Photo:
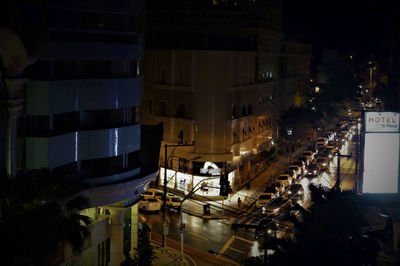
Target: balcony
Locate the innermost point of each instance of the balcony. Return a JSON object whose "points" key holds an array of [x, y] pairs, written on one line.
{"points": [[84, 145], [63, 96], [58, 50]]}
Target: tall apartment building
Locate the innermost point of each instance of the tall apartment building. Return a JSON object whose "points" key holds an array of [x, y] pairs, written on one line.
{"points": [[74, 110], [216, 76]]}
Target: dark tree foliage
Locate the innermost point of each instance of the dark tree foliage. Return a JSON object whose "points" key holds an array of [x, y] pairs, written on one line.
{"points": [[144, 254], [338, 93], [39, 214], [329, 234], [298, 119]]}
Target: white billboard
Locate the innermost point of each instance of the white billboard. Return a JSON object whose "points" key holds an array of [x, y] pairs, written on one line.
{"points": [[381, 163], [381, 122]]}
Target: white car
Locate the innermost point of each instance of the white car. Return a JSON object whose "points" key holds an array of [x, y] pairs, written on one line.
{"points": [[263, 199], [153, 193], [285, 179], [309, 155], [146, 204], [321, 143], [280, 187], [173, 202], [322, 162], [296, 169]]}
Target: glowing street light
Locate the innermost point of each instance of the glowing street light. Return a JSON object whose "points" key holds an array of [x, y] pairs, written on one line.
{"points": [[316, 89]]}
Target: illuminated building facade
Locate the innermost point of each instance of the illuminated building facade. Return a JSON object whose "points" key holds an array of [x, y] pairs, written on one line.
{"points": [[217, 75], [75, 112]]}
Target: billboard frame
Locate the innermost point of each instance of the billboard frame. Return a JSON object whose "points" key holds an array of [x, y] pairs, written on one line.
{"points": [[363, 132]]}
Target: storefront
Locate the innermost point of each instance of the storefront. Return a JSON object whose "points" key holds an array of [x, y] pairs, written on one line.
{"points": [[205, 178]]}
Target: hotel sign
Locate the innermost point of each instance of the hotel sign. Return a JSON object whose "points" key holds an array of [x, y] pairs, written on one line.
{"points": [[381, 122]]}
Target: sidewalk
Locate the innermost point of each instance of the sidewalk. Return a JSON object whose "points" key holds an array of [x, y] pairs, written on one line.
{"points": [[257, 184], [171, 256], [168, 256]]}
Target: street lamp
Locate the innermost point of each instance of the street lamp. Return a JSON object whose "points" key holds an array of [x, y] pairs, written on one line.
{"points": [[338, 168], [165, 227], [190, 193]]}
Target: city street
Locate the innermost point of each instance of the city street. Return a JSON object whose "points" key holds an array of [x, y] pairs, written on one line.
{"points": [[217, 235]]}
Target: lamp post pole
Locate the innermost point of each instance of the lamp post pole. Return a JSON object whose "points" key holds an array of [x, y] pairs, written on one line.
{"points": [[338, 168], [191, 192], [165, 226]]}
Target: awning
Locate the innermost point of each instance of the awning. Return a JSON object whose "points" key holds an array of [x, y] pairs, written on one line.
{"points": [[203, 157]]}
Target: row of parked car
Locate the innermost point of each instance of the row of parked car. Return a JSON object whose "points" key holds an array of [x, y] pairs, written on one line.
{"points": [[152, 200], [315, 159]]}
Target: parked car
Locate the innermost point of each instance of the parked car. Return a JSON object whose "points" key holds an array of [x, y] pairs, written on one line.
{"points": [[271, 189], [277, 206], [280, 187], [149, 204], [331, 135], [322, 162], [291, 173], [313, 149], [173, 202], [264, 198], [331, 151], [311, 176], [295, 169], [285, 179], [313, 169], [295, 192], [300, 164], [304, 159], [321, 142], [309, 155]]}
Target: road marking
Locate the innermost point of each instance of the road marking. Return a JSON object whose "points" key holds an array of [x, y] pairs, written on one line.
{"points": [[227, 244], [236, 250], [197, 235], [245, 240]]}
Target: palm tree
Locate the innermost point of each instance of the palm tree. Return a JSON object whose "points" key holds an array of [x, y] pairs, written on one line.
{"points": [[39, 216]]}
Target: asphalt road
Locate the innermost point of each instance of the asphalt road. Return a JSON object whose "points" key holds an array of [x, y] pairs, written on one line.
{"points": [[216, 235]]}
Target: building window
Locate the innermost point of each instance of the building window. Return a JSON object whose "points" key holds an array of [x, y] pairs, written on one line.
{"points": [[244, 110], [161, 110], [249, 110], [180, 111], [163, 77], [234, 112], [149, 105]]}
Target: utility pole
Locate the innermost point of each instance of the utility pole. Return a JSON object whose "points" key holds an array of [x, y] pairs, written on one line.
{"points": [[190, 193], [337, 185], [165, 226]]}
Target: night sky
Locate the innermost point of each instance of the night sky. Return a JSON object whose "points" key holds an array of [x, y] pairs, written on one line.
{"points": [[364, 25]]}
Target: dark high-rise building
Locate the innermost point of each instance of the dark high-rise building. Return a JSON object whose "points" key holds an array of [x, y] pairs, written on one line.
{"points": [[73, 109]]}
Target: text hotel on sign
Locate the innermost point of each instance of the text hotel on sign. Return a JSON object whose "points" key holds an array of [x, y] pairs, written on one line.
{"points": [[381, 122]]}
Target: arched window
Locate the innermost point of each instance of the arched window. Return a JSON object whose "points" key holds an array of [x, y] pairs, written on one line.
{"points": [[244, 110], [249, 110], [161, 110], [149, 104], [180, 110], [234, 112]]}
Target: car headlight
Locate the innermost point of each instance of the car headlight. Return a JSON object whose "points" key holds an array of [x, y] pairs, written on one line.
{"points": [[276, 209]]}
